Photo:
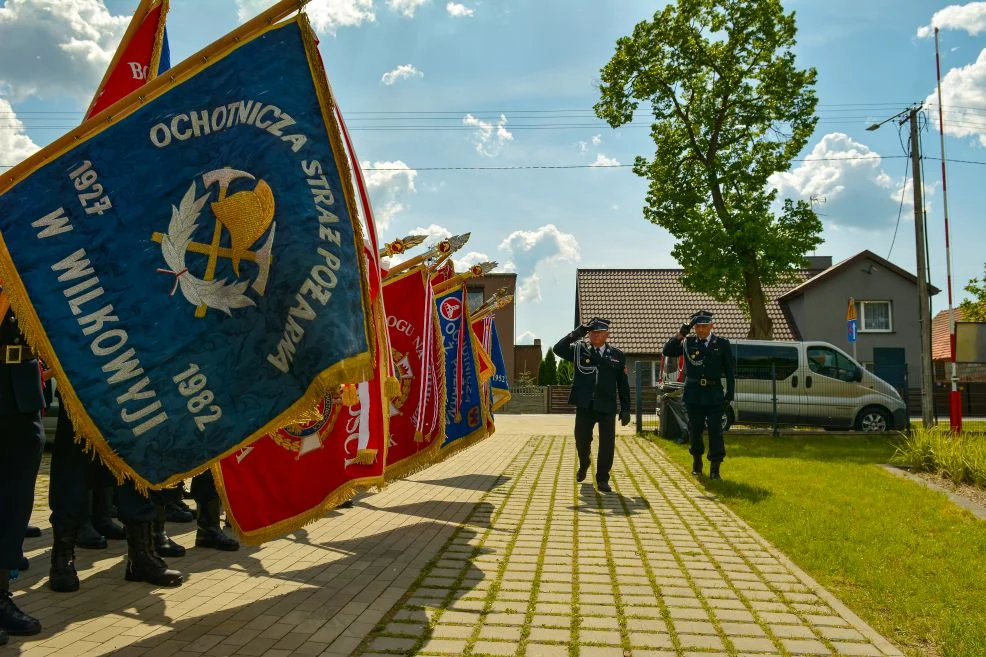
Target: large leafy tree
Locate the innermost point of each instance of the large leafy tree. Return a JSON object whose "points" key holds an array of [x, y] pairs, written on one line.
{"points": [[730, 108], [974, 309]]}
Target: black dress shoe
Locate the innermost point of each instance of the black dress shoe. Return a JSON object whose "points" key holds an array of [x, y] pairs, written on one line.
{"points": [[14, 621], [179, 512], [603, 488], [24, 564], [714, 471], [697, 466], [580, 477], [32, 532], [3, 638]]}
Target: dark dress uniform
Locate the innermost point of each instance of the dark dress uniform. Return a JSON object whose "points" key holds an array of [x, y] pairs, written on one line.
{"points": [[21, 443], [707, 363], [600, 375]]}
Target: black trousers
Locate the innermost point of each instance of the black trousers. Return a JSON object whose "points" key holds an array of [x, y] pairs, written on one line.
{"points": [[21, 444], [700, 415], [585, 420], [204, 488], [74, 473]]}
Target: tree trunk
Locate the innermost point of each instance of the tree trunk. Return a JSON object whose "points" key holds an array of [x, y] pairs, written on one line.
{"points": [[761, 326]]}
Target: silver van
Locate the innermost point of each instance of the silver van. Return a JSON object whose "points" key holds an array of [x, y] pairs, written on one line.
{"points": [[805, 384]]}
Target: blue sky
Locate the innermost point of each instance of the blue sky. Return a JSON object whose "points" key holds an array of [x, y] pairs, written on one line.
{"points": [[511, 83]]}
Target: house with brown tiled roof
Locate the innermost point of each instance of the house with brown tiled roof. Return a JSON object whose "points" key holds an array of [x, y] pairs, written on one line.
{"points": [[646, 307], [941, 352]]}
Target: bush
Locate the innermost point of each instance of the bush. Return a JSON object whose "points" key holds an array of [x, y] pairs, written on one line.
{"points": [[548, 371], [566, 373], [961, 458]]}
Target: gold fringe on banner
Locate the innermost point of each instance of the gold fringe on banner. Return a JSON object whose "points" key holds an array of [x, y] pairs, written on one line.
{"points": [[366, 457], [350, 394], [392, 387]]}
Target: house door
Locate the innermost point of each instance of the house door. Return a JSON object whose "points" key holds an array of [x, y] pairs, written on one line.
{"points": [[890, 364]]}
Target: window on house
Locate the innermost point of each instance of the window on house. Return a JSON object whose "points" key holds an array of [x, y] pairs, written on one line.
{"points": [[475, 296], [875, 316]]}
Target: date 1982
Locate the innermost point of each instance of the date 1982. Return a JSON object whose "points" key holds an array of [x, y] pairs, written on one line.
{"points": [[192, 384]]}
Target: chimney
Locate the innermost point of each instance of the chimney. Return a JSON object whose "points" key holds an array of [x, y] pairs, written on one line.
{"points": [[819, 263], [537, 342]]}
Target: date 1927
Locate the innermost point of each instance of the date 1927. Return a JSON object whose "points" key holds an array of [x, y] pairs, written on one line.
{"points": [[91, 195], [192, 384]]}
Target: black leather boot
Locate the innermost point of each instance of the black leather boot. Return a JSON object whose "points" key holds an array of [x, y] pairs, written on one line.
{"points": [[714, 470], [102, 521], [3, 638], [697, 465], [62, 577], [179, 512], [162, 542], [143, 563], [88, 538], [210, 534], [13, 621], [24, 564]]}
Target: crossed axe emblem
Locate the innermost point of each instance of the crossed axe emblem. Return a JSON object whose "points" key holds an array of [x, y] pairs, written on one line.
{"points": [[246, 216]]}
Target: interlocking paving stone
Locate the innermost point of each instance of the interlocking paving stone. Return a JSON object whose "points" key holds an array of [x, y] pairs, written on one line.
{"points": [[495, 520]]}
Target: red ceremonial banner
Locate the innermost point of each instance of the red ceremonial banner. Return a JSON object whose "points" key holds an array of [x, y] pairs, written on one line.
{"points": [[414, 339], [284, 481], [137, 58]]}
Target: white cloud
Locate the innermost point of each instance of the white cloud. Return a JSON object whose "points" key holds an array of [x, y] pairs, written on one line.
{"points": [[847, 181], [583, 146], [470, 259], [963, 88], [603, 161], [56, 47], [457, 10], [434, 232], [402, 72], [490, 139], [405, 7], [529, 290], [970, 17], [15, 145], [326, 15], [389, 183], [597, 139], [527, 337], [539, 249]]}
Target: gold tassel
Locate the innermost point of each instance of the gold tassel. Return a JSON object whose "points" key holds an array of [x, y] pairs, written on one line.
{"points": [[366, 457], [350, 396], [391, 387], [419, 436], [458, 417]]}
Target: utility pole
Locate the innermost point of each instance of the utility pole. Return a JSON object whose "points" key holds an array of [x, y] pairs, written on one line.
{"points": [[924, 303], [912, 114]]}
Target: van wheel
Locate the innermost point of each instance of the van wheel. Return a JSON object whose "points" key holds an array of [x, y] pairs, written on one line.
{"points": [[873, 418], [728, 419]]}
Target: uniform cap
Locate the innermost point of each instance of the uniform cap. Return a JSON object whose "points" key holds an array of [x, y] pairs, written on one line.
{"points": [[598, 324], [702, 317]]}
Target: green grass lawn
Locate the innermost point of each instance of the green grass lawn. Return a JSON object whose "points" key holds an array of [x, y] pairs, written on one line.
{"points": [[904, 558]]}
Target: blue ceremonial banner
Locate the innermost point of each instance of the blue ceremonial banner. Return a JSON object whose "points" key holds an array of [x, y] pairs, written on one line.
{"points": [[499, 386], [464, 407], [192, 268]]}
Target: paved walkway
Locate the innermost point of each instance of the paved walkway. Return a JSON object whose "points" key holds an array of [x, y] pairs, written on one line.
{"points": [[497, 552]]}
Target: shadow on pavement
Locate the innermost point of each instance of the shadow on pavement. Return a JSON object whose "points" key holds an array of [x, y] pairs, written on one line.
{"points": [[481, 482], [332, 585]]}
